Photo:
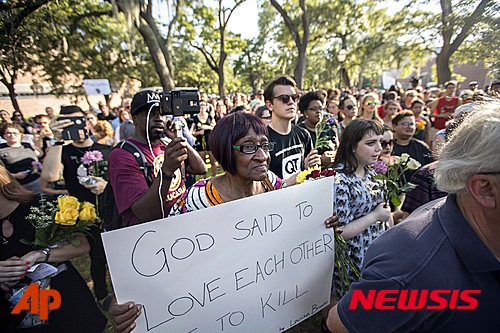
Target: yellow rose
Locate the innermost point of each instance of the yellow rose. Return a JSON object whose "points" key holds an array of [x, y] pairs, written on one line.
{"points": [[67, 216], [68, 202], [88, 213], [421, 125], [413, 164]]}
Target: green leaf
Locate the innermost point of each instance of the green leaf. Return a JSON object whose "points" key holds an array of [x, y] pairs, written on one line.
{"points": [[408, 187], [395, 200]]}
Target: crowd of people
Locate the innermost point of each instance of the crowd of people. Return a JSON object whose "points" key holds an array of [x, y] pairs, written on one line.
{"points": [[153, 163]]}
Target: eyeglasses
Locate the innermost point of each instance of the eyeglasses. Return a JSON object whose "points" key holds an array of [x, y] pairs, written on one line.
{"points": [[316, 109], [286, 98], [384, 143], [349, 107], [370, 102], [408, 124], [251, 148]]}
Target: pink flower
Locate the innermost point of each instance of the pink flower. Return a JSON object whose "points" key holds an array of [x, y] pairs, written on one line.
{"points": [[380, 167], [37, 165], [92, 156]]}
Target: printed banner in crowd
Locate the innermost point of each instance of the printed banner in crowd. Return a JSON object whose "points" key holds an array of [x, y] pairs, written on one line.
{"points": [[259, 264]]}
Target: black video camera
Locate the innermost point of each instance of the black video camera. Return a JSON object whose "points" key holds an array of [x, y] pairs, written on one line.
{"points": [[179, 102]]}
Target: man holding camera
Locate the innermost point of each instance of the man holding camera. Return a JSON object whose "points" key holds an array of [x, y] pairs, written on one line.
{"points": [[66, 160], [139, 200]]}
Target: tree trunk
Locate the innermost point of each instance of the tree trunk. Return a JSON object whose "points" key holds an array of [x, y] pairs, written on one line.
{"points": [[146, 26], [300, 66], [12, 95], [443, 67], [220, 73], [154, 46]]}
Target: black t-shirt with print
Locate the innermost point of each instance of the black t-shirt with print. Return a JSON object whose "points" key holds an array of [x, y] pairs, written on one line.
{"points": [[73, 167], [288, 156]]}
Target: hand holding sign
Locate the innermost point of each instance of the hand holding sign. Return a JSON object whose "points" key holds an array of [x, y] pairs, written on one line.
{"points": [[266, 268]]}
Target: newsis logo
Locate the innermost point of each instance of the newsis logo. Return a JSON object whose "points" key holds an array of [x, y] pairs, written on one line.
{"points": [[414, 299]]}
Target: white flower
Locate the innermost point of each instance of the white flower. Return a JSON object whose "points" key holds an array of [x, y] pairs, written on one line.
{"points": [[404, 157], [413, 164]]}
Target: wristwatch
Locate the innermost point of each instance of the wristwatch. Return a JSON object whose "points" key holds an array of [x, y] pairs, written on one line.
{"points": [[46, 251]]}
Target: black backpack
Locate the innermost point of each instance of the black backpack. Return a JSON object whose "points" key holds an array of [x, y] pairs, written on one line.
{"points": [[108, 210]]}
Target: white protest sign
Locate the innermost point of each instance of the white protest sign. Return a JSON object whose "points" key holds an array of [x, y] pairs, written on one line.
{"points": [[259, 264], [97, 87]]}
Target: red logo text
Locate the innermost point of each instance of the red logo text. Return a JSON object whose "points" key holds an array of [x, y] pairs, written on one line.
{"points": [[414, 299], [37, 301]]}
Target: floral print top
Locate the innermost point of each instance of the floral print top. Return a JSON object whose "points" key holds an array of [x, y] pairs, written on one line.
{"points": [[354, 198]]}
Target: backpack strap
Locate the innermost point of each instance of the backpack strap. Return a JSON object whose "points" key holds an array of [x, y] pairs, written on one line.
{"points": [[144, 165], [269, 184]]}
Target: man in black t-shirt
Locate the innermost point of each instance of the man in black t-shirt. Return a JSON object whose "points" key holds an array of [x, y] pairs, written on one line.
{"points": [[404, 128], [67, 161], [294, 149]]}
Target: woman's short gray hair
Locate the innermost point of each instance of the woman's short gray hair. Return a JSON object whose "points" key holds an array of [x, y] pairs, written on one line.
{"points": [[473, 148]]}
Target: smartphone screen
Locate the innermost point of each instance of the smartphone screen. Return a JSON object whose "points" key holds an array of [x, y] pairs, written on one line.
{"points": [[76, 131]]}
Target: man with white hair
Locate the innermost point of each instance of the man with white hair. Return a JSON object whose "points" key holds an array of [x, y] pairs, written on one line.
{"points": [[440, 269]]}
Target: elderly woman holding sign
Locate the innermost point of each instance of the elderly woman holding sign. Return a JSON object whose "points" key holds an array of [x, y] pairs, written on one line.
{"points": [[239, 142]]}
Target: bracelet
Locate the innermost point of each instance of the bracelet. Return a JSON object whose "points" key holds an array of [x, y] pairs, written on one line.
{"points": [[46, 251], [165, 176]]}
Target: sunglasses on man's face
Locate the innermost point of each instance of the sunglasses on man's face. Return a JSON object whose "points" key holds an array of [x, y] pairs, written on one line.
{"points": [[349, 107], [286, 98], [370, 102]]}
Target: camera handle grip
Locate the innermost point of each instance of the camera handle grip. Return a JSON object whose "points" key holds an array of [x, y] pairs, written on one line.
{"points": [[178, 129]]}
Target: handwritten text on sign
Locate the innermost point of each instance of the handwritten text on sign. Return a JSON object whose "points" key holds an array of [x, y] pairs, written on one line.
{"points": [[259, 264]]}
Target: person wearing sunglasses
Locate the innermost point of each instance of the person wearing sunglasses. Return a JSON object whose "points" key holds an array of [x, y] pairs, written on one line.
{"points": [[349, 108], [264, 114], [404, 126], [387, 142], [369, 107], [294, 147]]}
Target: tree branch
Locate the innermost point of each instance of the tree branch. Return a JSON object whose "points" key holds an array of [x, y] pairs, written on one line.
{"points": [[288, 22], [231, 11], [77, 19], [28, 7], [469, 23], [210, 60]]}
